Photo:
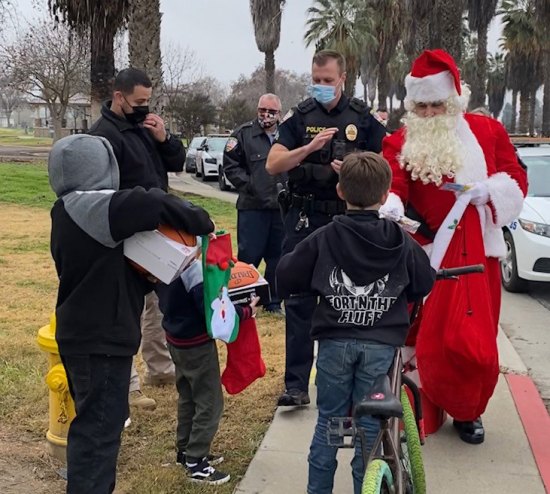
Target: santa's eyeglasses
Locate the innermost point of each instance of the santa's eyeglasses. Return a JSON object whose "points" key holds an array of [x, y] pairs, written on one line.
{"points": [[425, 106]]}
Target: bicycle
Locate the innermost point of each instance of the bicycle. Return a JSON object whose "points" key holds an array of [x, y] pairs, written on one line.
{"points": [[394, 464]]}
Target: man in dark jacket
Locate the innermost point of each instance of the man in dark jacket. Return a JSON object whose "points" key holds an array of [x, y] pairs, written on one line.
{"points": [[145, 152], [363, 271], [100, 295], [259, 225]]}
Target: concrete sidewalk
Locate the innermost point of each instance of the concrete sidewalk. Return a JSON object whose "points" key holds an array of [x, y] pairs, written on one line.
{"points": [[503, 464], [184, 182]]}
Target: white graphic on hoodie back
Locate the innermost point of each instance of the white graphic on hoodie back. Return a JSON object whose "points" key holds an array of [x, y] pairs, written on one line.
{"points": [[360, 305]]}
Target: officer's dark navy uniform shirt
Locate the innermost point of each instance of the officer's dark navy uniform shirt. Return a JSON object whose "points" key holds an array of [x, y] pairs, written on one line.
{"points": [[358, 130]]}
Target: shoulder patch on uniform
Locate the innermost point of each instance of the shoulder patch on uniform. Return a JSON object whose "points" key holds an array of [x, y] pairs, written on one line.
{"points": [[307, 105], [358, 105], [231, 144], [288, 114]]}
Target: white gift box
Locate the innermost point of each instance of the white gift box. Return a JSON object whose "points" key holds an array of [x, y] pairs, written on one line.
{"points": [[161, 256]]}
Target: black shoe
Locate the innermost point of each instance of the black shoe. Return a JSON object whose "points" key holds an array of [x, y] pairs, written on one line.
{"points": [[205, 473], [470, 432], [274, 311], [212, 459], [293, 398]]}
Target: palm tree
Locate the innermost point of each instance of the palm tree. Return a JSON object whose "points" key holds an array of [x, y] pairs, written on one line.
{"points": [[417, 27], [144, 43], [266, 17], [480, 13], [446, 32], [399, 68], [496, 83], [387, 17], [542, 26], [523, 57], [342, 26], [101, 20]]}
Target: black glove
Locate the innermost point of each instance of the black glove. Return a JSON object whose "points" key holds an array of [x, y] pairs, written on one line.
{"points": [[182, 215]]}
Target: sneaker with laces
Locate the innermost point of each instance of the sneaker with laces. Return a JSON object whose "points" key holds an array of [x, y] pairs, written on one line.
{"points": [[212, 459], [204, 473], [139, 400]]}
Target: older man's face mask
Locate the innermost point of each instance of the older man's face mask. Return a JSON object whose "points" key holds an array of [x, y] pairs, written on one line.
{"points": [[268, 117]]}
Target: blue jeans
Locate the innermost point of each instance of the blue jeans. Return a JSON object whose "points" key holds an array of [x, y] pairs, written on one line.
{"points": [[346, 370], [99, 386]]}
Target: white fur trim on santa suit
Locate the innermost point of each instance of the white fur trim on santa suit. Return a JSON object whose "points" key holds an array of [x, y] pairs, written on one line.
{"points": [[504, 192], [430, 88], [506, 197], [393, 208], [474, 167]]}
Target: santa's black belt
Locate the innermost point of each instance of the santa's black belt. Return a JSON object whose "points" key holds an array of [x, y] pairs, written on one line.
{"points": [[309, 205]]}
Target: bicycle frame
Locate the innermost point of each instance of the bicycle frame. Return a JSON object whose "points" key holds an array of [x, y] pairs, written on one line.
{"points": [[388, 439]]}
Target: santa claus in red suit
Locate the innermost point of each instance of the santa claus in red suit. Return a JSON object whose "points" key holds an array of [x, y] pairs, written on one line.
{"points": [[460, 174]]}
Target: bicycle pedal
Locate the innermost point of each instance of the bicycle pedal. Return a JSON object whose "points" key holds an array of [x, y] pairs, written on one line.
{"points": [[341, 432]]}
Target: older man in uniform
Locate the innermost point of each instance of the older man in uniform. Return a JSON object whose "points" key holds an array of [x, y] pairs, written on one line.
{"points": [[259, 224], [312, 141]]}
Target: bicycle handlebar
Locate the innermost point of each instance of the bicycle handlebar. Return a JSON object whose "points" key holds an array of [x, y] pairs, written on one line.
{"points": [[452, 272]]}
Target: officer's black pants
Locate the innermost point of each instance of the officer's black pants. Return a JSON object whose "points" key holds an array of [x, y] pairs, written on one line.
{"points": [[260, 236], [299, 310]]}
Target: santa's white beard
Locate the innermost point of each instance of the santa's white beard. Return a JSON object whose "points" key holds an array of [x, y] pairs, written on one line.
{"points": [[432, 147]]}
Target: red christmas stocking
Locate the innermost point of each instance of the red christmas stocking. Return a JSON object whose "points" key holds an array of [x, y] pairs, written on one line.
{"points": [[244, 359]]}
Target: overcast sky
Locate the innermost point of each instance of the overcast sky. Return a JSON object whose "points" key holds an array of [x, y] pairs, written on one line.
{"points": [[221, 34]]}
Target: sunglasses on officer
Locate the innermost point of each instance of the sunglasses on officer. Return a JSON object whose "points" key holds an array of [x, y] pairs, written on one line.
{"points": [[269, 111]]}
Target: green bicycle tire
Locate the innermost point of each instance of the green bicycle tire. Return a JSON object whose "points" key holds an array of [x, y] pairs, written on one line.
{"points": [[418, 475], [377, 475]]}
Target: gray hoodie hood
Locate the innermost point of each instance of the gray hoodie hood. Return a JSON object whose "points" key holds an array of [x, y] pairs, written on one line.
{"points": [[83, 172]]}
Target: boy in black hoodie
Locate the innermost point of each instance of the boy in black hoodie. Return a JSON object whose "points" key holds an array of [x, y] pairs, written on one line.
{"points": [[195, 355], [100, 295], [365, 270]]}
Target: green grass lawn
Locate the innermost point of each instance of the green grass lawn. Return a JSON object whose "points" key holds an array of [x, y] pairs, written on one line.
{"points": [[17, 137], [28, 292]]}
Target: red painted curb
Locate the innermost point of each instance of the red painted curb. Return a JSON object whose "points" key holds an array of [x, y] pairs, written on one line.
{"points": [[535, 419]]}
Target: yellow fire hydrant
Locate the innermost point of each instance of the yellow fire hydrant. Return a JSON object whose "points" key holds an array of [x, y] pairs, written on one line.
{"points": [[61, 404]]}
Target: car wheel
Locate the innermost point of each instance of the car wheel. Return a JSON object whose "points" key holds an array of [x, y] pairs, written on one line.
{"points": [[509, 268], [221, 180]]}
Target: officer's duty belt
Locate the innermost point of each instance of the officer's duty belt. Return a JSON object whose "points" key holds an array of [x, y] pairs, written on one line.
{"points": [[309, 204]]}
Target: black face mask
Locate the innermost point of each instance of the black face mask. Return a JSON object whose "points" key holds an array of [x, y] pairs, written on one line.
{"points": [[138, 115]]}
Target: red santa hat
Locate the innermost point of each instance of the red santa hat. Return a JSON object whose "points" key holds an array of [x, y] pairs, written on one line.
{"points": [[434, 77]]}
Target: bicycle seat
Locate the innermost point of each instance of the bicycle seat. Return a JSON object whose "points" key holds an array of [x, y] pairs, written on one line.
{"points": [[380, 401]]}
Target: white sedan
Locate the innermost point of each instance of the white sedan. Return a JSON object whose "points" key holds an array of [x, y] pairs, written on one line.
{"points": [[528, 238]]}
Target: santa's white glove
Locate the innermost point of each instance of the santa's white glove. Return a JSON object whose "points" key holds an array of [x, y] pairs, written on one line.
{"points": [[392, 210], [479, 193]]}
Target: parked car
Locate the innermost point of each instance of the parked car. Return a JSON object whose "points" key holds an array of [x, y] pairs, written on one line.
{"points": [[191, 157], [528, 237], [210, 156], [222, 180]]}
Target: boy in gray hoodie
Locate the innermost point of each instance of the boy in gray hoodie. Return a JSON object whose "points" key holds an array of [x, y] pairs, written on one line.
{"points": [[100, 295]]}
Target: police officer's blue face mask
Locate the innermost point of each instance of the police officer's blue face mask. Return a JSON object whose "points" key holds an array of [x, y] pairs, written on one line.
{"points": [[323, 94]]}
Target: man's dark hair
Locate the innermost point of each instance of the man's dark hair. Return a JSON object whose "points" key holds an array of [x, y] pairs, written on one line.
{"points": [[323, 56], [127, 79], [364, 179]]}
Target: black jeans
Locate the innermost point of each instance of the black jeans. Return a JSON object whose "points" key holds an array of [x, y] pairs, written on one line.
{"points": [[99, 386], [260, 236], [299, 310]]}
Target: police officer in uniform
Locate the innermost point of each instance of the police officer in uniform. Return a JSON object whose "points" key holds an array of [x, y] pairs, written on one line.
{"points": [[259, 224], [312, 141]]}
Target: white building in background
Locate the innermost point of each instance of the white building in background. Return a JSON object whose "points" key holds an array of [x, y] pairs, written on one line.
{"points": [[32, 112]]}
